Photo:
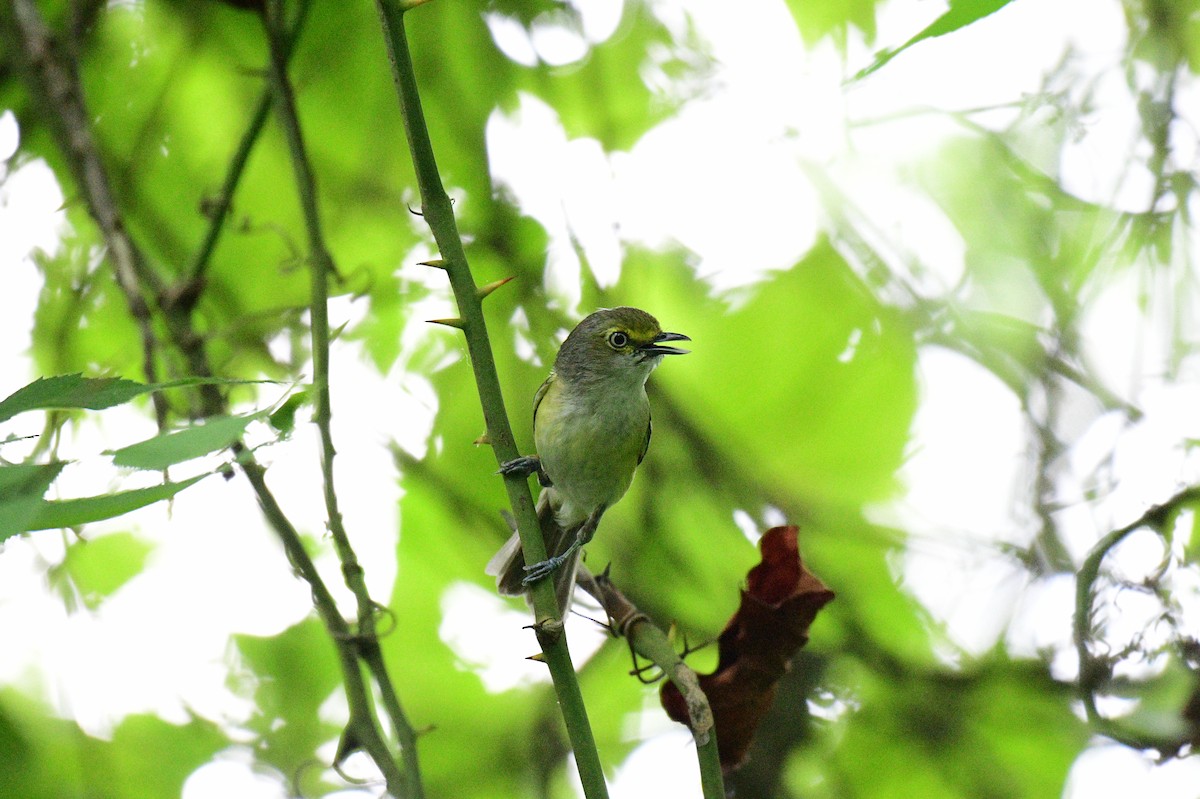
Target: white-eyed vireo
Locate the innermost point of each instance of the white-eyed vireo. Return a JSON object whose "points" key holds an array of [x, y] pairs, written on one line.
{"points": [[591, 427]]}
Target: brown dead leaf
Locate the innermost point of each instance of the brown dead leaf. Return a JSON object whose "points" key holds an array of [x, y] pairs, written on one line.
{"points": [[779, 604]]}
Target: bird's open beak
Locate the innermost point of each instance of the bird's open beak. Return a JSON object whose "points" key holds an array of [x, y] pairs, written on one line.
{"points": [[655, 348]]}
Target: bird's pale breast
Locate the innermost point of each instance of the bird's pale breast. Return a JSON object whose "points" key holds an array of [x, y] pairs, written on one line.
{"points": [[589, 445]]}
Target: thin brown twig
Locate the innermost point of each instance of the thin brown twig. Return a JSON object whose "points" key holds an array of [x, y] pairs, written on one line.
{"points": [[57, 79]]}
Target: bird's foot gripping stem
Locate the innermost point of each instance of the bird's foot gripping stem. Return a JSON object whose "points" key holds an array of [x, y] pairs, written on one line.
{"points": [[583, 535], [544, 568], [525, 466]]}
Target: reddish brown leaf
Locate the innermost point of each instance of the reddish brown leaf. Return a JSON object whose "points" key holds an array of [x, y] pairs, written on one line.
{"points": [[755, 650]]}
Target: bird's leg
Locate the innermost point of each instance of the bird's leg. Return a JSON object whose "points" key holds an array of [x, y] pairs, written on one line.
{"points": [[583, 534], [525, 466]]}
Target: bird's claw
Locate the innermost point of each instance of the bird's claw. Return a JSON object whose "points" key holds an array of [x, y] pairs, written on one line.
{"points": [[522, 466], [542, 569], [525, 466]]}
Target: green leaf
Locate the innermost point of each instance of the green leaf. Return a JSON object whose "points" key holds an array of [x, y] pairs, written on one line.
{"points": [[284, 418], [605, 96], [293, 674], [98, 567], [45, 757], [74, 512], [93, 393], [830, 420], [1191, 552], [22, 487], [1161, 703], [960, 14], [71, 391], [149, 757], [177, 446], [998, 728], [818, 19], [28, 478]]}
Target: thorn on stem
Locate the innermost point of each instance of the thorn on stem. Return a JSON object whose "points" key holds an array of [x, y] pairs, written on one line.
{"points": [[436, 263], [546, 629], [455, 323], [483, 291]]}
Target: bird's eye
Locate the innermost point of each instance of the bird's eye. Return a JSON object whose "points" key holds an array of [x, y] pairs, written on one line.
{"points": [[617, 340]]}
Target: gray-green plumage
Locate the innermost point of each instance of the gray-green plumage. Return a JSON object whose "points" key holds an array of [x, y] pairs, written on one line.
{"points": [[591, 429]]}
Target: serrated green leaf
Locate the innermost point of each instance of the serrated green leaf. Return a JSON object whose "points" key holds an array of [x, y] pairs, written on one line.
{"points": [[92, 393], [71, 391], [74, 512], [26, 478], [177, 446]]}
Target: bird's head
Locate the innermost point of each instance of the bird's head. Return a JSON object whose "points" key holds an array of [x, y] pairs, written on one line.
{"points": [[615, 344]]}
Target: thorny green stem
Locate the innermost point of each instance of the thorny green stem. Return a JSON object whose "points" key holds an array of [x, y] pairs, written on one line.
{"points": [[439, 214]]}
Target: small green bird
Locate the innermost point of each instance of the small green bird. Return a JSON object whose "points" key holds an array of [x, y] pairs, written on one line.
{"points": [[591, 427]]}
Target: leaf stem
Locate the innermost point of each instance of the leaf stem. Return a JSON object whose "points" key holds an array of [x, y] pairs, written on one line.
{"points": [[218, 212]]}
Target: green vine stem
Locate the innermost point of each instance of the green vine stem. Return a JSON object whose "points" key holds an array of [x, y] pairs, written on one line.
{"points": [[321, 269], [146, 291], [218, 207], [439, 215], [361, 728]]}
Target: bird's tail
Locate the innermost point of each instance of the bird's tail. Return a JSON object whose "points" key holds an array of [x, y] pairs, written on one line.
{"points": [[508, 565]]}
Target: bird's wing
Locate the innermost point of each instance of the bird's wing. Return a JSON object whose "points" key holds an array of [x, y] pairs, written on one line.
{"points": [[541, 392], [646, 443]]}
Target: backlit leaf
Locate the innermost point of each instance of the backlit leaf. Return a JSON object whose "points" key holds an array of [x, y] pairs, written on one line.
{"points": [[177, 446], [74, 512], [22, 487]]}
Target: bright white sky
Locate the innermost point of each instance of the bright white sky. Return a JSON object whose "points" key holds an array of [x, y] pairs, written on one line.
{"points": [[775, 107]]}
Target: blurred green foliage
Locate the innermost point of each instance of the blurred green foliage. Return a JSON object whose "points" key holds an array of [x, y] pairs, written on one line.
{"points": [[798, 398]]}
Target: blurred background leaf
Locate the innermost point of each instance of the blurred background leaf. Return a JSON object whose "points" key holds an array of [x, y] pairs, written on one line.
{"points": [[804, 399]]}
